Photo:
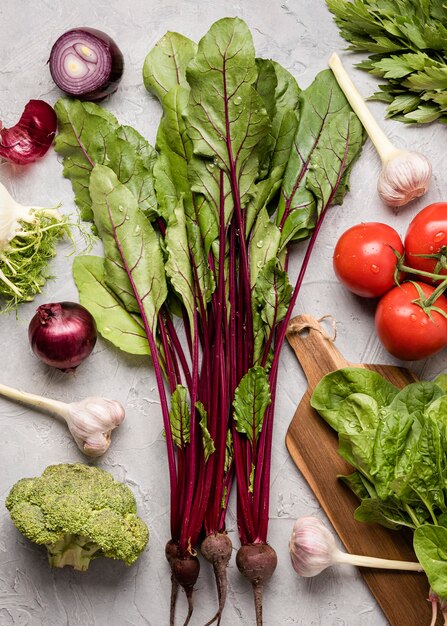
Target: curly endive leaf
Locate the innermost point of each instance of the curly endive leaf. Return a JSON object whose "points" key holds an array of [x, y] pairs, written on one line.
{"points": [[125, 330], [134, 268], [251, 398]]}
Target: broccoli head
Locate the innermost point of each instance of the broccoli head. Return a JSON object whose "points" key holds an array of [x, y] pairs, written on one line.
{"points": [[79, 512]]}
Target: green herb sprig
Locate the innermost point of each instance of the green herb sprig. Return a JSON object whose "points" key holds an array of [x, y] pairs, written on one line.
{"points": [[406, 44]]}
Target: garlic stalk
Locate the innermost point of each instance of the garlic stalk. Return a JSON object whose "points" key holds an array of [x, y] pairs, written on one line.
{"points": [[313, 549], [405, 174], [90, 421]]}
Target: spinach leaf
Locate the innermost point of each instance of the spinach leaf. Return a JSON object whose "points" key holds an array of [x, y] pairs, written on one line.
{"points": [[415, 398], [387, 513], [430, 545], [335, 387]]}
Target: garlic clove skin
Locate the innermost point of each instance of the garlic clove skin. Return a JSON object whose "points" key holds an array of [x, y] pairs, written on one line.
{"points": [[312, 546], [406, 175], [91, 422]]}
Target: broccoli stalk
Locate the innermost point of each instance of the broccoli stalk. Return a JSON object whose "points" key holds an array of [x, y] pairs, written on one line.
{"points": [[79, 512], [73, 550]]}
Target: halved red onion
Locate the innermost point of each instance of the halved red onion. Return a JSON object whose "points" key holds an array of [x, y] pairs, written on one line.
{"points": [[86, 63], [31, 137]]}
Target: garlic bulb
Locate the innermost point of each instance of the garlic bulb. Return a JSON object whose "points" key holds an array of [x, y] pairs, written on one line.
{"points": [[312, 549], [12, 214], [405, 174], [90, 421]]}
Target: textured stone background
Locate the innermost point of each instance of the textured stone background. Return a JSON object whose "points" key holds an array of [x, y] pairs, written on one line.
{"points": [[299, 34]]}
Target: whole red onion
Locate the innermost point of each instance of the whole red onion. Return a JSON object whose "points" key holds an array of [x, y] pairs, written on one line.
{"points": [[62, 334]]}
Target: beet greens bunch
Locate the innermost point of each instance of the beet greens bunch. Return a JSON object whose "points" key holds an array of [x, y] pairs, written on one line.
{"points": [[197, 234]]}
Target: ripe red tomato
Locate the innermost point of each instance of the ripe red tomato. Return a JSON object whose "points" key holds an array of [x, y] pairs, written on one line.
{"points": [[405, 329], [427, 234], [364, 261]]}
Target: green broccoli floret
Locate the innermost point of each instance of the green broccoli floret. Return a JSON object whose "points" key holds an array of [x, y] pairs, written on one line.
{"points": [[79, 512]]}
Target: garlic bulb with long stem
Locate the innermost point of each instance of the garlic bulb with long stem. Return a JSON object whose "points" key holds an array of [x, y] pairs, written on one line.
{"points": [[312, 549], [90, 421], [405, 174]]}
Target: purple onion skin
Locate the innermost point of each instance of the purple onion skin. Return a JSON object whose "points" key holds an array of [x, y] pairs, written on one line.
{"points": [[62, 334], [31, 137], [112, 55]]}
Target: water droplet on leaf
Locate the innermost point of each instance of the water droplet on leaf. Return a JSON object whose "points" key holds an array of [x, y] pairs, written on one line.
{"points": [[237, 100], [260, 243]]}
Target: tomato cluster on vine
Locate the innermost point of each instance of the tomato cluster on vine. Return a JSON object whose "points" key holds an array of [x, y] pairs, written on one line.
{"points": [[409, 277]]}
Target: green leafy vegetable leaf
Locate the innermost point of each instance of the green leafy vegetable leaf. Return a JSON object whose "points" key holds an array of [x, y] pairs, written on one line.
{"points": [[165, 65], [328, 140], [133, 268], [430, 546], [125, 330], [90, 135], [180, 417], [226, 116], [334, 388], [208, 443], [251, 399]]}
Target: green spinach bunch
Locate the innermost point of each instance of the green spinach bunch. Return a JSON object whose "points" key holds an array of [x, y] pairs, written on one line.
{"points": [[396, 439]]}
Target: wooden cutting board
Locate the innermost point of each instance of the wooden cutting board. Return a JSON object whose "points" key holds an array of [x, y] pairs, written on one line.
{"points": [[313, 445]]}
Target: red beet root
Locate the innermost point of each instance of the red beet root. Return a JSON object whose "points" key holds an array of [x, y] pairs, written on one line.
{"points": [[257, 562], [216, 549], [184, 572]]}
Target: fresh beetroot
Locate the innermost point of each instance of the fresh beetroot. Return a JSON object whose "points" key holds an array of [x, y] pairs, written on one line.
{"points": [[216, 549], [184, 572], [257, 562]]}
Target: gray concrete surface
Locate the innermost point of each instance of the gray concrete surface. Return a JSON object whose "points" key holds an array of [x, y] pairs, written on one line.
{"points": [[299, 34]]}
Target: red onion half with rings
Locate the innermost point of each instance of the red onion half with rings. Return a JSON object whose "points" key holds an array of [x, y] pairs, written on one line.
{"points": [[62, 334], [86, 63]]}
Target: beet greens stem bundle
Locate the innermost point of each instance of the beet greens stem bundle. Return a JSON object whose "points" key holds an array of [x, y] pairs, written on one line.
{"points": [[196, 235]]}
